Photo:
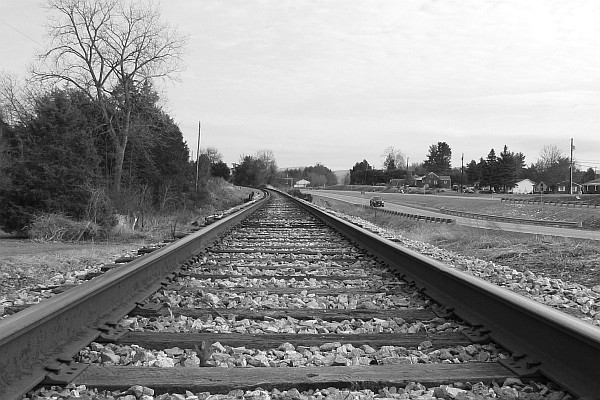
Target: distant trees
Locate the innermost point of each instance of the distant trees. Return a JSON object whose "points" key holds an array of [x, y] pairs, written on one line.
{"points": [[552, 166], [319, 175], [507, 169], [474, 170], [393, 159], [500, 173], [364, 174], [257, 170], [589, 175], [220, 169], [438, 158], [361, 174]]}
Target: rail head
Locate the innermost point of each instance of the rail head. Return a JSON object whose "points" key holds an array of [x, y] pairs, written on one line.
{"points": [[57, 328], [563, 348]]}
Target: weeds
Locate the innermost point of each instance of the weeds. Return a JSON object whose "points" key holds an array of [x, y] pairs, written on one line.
{"points": [[60, 228]]}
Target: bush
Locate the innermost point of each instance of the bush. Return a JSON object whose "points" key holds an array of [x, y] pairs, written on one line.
{"points": [[58, 227], [297, 193]]}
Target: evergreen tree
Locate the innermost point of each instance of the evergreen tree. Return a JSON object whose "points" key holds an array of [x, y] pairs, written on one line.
{"points": [[589, 175], [473, 171], [58, 164], [360, 174], [221, 170], [507, 169], [489, 171], [438, 159]]}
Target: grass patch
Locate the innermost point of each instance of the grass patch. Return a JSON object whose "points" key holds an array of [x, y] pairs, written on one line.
{"points": [[569, 259], [491, 204]]}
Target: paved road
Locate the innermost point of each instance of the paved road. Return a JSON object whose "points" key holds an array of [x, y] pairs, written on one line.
{"points": [[357, 198]]}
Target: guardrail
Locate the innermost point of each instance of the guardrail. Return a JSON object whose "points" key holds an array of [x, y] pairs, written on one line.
{"points": [[576, 204], [490, 217], [419, 217]]}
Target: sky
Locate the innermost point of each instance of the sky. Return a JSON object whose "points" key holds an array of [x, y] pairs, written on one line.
{"points": [[338, 81]]}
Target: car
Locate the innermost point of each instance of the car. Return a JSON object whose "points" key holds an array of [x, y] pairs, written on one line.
{"points": [[376, 201]]}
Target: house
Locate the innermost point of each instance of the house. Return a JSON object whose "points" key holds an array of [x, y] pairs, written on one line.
{"points": [[591, 187], [525, 186], [541, 188], [302, 183], [437, 181], [563, 188]]}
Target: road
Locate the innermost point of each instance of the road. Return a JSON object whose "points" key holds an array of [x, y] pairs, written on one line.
{"points": [[357, 198]]}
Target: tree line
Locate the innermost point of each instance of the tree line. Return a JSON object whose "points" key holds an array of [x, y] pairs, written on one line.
{"points": [[499, 172]]}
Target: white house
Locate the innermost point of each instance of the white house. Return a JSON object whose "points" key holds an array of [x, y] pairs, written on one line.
{"points": [[525, 186], [302, 183]]}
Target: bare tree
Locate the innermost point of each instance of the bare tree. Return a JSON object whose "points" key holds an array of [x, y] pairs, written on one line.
{"points": [[17, 98], [213, 154], [392, 155], [552, 166], [267, 157], [549, 155], [109, 50]]}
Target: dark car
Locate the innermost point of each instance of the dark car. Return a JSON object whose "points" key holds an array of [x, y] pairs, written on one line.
{"points": [[376, 201]]}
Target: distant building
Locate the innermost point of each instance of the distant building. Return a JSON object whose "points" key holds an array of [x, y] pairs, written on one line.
{"points": [[437, 181], [591, 187], [302, 183], [563, 187], [525, 186], [541, 188]]}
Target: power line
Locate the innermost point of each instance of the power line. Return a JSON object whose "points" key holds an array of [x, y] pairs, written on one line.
{"points": [[18, 31]]}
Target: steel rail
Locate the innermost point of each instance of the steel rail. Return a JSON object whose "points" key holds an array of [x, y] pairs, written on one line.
{"points": [[44, 337], [563, 348]]}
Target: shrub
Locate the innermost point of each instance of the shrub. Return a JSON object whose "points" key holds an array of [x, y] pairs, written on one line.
{"points": [[58, 227], [297, 193]]}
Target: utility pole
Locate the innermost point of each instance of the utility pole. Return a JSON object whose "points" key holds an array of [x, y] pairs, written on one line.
{"points": [[571, 169], [198, 155], [462, 167]]}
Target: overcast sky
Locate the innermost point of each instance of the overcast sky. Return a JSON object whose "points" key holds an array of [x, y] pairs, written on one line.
{"points": [[336, 82]]}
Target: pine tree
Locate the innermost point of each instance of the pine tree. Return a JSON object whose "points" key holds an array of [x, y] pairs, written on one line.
{"points": [[507, 169], [438, 159]]}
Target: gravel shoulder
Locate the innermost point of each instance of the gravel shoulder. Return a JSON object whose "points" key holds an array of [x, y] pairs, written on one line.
{"points": [[27, 267]]}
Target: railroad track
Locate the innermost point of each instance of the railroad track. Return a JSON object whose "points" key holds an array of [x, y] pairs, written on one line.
{"points": [[281, 297]]}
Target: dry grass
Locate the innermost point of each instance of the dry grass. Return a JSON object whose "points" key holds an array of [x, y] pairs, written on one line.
{"points": [[27, 263], [491, 204], [569, 259]]}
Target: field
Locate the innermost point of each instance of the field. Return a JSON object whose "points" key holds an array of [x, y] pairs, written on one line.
{"points": [[572, 260], [491, 204]]}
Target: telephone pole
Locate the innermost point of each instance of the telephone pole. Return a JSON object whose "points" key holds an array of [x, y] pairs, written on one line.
{"points": [[462, 167], [198, 155], [571, 169]]}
